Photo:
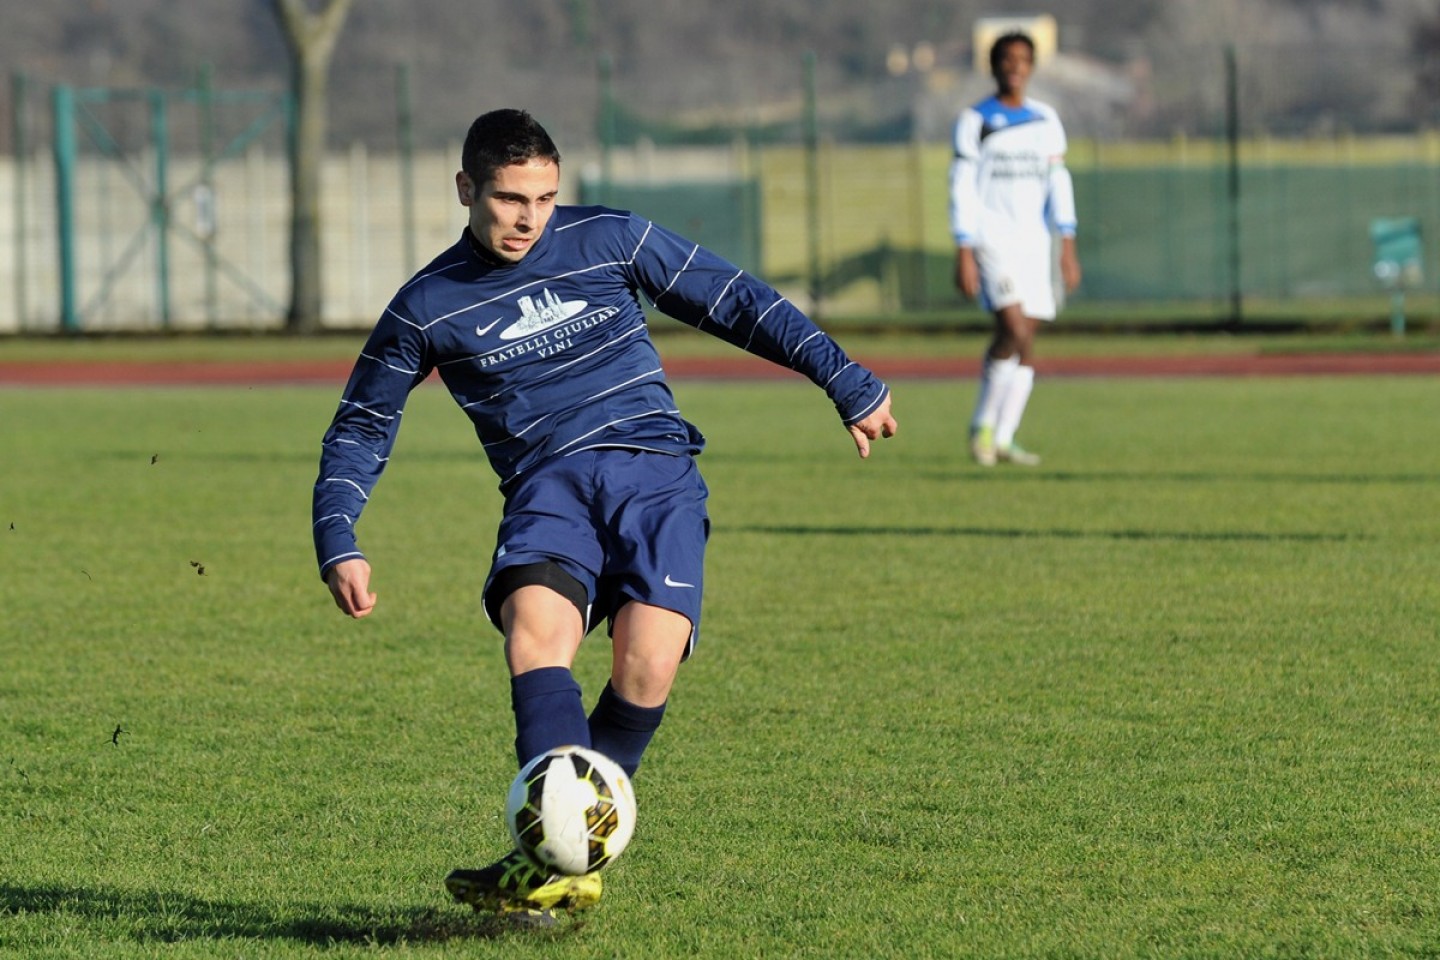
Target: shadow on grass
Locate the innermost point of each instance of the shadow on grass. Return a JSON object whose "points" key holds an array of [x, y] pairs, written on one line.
{"points": [[947, 468], [1013, 533], [169, 917], [171, 456], [966, 473], [1357, 479]]}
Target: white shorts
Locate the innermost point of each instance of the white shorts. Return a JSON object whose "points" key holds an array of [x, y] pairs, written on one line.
{"points": [[1015, 275]]}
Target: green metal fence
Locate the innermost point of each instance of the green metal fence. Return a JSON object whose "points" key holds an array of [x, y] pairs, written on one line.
{"points": [[1186, 231], [1303, 231], [140, 166], [1285, 239], [723, 216], [1239, 188]]}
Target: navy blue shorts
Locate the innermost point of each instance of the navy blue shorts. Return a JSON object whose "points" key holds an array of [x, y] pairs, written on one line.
{"points": [[628, 524]]}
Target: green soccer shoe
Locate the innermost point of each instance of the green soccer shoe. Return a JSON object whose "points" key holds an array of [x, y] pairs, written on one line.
{"points": [[515, 885]]}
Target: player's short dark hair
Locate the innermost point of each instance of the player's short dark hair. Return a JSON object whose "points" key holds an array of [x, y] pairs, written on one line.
{"points": [[503, 138], [997, 49]]}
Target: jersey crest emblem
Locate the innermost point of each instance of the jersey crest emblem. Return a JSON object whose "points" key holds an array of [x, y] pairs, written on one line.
{"points": [[541, 313]]}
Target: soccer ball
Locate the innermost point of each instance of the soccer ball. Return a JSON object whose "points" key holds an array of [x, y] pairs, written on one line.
{"points": [[571, 810]]}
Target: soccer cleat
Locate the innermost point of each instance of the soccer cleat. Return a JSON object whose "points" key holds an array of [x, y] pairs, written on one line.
{"points": [[1018, 455], [514, 886], [982, 445]]}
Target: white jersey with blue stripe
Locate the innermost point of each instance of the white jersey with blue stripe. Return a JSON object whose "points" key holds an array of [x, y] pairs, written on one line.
{"points": [[1008, 182], [551, 355]]}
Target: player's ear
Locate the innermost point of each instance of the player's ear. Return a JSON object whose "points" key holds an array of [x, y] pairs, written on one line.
{"points": [[465, 188]]}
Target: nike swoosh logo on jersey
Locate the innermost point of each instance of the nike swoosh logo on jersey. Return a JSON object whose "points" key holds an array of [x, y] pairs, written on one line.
{"points": [[481, 331], [670, 582]]}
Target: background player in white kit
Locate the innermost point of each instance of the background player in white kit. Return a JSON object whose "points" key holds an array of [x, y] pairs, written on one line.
{"points": [[1009, 190]]}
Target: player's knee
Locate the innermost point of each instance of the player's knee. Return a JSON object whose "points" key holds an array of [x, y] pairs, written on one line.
{"points": [[650, 643], [645, 685]]}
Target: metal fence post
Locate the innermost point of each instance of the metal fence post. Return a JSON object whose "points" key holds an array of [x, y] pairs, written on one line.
{"points": [[63, 101], [1232, 136], [20, 144], [160, 205], [607, 126], [812, 187], [206, 205], [405, 120]]}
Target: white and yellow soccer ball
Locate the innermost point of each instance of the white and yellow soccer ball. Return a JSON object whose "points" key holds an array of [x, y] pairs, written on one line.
{"points": [[571, 810]]}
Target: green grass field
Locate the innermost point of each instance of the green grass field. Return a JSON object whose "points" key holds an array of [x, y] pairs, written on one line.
{"points": [[1173, 694]]}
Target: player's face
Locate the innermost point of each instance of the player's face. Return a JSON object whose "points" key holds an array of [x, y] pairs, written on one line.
{"points": [[1012, 72], [508, 212]]}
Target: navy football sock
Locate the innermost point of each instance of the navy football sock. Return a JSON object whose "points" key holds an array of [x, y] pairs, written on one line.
{"points": [[622, 730], [548, 712]]}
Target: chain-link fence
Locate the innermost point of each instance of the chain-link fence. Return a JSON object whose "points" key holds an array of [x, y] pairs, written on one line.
{"points": [[1214, 186]]}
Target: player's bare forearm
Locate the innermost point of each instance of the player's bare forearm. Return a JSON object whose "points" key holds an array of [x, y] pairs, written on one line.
{"points": [[1069, 264], [349, 583], [967, 272], [879, 424]]}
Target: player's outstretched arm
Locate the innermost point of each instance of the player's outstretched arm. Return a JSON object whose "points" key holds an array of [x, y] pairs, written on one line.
{"points": [[349, 583], [879, 424]]}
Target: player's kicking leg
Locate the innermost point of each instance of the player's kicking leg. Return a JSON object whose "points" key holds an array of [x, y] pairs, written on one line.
{"points": [[541, 610]]}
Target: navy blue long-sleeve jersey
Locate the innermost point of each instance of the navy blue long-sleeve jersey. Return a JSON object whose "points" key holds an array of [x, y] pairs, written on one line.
{"points": [[551, 355]]}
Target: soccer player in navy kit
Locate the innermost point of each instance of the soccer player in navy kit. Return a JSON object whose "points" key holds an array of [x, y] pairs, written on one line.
{"points": [[1009, 189], [533, 322]]}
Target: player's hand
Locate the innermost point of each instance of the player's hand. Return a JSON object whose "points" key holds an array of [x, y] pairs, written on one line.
{"points": [[879, 424], [967, 272], [349, 583]]}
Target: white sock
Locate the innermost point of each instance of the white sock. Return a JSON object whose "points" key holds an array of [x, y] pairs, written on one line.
{"points": [[995, 381], [1012, 405]]}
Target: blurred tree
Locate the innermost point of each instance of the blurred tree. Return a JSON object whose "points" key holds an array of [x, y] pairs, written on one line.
{"points": [[310, 38], [1425, 41]]}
